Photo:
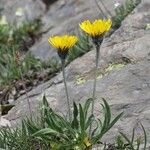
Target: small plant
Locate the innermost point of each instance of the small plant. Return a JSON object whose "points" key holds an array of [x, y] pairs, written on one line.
{"points": [[122, 11], [59, 133], [27, 30], [96, 30], [15, 62], [20, 139], [52, 131], [11, 41], [63, 45], [4, 31], [124, 143], [59, 128], [72, 134]]}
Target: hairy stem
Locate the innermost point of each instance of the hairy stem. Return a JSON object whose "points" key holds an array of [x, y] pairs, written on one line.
{"points": [[95, 76], [65, 84], [95, 81]]}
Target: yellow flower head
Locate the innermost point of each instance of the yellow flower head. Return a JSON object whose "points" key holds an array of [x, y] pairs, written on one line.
{"points": [[96, 28], [62, 43]]}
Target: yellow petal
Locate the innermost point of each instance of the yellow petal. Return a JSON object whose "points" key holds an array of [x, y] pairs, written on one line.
{"points": [[96, 28], [62, 43]]}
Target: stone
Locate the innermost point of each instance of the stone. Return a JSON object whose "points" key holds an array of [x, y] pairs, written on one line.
{"points": [[4, 122], [131, 40], [19, 11], [63, 17], [125, 88]]}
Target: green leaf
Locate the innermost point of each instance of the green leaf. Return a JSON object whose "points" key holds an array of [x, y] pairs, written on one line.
{"points": [[45, 102], [115, 120], [82, 119], [98, 128], [127, 139], [66, 126], [138, 141], [145, 137], [75, 122], [55, 123], [97, 138], [23, 127], [86, 107], [106, 125], [46, 131], [30, 126], [133, 133], [107, 117], [90, 120], [107, 113]]}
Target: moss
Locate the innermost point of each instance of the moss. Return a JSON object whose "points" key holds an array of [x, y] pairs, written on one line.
{"points": [[81, 79]]}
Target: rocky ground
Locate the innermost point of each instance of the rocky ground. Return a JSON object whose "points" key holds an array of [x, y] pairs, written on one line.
{"points": [[125, 84], [61, 17]]}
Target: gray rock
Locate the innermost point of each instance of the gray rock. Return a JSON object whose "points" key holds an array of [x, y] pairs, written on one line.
{"points": [[4, 122], [131, 40], [19, 11], [126, 89], [63, 17]]}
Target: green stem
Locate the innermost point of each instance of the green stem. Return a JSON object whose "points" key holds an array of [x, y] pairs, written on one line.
{"points": [[95, 76], [95, 81], [65, 84]]}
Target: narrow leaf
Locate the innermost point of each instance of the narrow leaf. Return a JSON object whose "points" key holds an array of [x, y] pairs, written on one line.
{"points": [[145, 137], [82, 119], [114, 121], [75, 122], [126, 138]]}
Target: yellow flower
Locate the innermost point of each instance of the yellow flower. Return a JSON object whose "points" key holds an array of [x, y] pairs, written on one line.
{"points": [[97, 28], [62, 43]]}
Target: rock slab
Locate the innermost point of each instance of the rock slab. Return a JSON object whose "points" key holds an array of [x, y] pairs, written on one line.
{"points": [[126, 89]]}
